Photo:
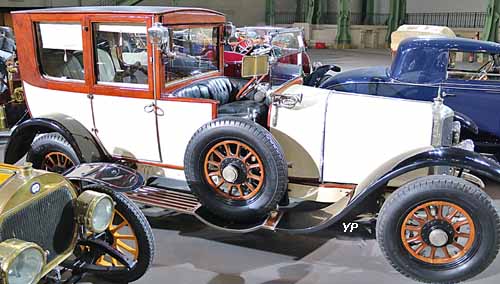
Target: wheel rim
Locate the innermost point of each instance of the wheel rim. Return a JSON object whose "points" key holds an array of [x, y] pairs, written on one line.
{"points": [[438, 232], [234, 170], [57, 162], [124, 240]]}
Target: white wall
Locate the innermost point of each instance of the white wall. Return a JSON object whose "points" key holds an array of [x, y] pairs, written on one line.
{"points": [[435, 6]]}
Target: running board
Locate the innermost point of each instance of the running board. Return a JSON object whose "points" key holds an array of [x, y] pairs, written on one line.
{"points": [[184, 202], [166, 199]]}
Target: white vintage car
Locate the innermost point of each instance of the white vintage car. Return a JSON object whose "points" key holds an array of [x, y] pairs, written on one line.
{"points": [[111, 84]]}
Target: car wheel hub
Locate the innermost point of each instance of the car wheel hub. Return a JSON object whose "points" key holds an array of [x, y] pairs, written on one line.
{"points": [[230, 173], [438, 238]]}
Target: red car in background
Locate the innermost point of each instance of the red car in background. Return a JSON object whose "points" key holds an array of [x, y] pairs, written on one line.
{"points": [[286, 45]]}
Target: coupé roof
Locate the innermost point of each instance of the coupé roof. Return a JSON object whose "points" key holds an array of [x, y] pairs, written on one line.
{"points": [[116, 9], [462, 44]]}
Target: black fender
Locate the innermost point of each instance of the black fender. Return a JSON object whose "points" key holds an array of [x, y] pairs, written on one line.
{"points": [[86, 146], [376, 181], [114, 177], [466, 122]]}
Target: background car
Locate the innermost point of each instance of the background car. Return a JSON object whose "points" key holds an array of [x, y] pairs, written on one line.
{"points": [[287, 45], [468, 71], [80, 223]]}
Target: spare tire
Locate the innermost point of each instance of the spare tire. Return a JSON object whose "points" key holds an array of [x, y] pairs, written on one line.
{"points": [[236, 169]]}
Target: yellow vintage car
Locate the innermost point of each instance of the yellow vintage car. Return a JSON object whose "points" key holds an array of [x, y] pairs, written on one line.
{"points": [[62, 227]]}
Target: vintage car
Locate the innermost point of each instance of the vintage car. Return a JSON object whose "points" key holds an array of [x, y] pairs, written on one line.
{"points": [[58, 228], [468, 71], [287, 45], [12, 107], [239, 158]]}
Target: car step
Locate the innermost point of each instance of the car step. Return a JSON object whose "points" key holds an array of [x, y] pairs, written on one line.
{"points": [[182, 202]]}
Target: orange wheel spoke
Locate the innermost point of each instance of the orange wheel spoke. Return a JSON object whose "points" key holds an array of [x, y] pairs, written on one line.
{"points": [[252, 176], [414, 239], [213, 174], [413, 228], [253, 166], [446, 252], [240, 190], [219, 184], [214, 163], [237, 152], [460, 224], [451, 214], [126, 247], [228, 150], [433, 252], [428, 213], [439, 213], [463, 235], [420, 248], [249, 186], [419, 220], [246, 157], [124, 237], [114, 229], [219, 154], [458, 246]]}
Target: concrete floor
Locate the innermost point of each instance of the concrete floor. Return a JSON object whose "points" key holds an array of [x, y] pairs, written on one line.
{"points": [[190, 252]]}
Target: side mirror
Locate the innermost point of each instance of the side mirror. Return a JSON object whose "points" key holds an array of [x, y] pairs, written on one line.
{"points": [[229, 30], [252, 66], [160, 36]]}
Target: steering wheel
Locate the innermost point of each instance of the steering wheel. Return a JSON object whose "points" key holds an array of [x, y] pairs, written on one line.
{"points": [[249, 87], [244, 46], [483, 71]]}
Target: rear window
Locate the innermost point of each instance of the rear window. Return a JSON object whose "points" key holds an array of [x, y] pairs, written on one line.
{"points": [[60, 50]]}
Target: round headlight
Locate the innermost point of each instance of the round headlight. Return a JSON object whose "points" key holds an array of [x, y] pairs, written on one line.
{"points": [[94, 210], [22, 262], [103, 213]]}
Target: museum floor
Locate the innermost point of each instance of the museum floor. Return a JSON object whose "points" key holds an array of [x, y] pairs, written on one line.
{"points": [[190, 252]]}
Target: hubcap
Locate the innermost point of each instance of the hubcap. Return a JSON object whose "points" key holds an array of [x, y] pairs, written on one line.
{"points": [[438, 238], [230, 173]]}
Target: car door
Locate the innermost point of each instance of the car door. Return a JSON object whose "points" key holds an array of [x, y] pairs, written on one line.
{"points": [[478, 98], [122, 90]]}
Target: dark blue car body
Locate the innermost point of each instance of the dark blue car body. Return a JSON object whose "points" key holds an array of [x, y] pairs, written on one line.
{"points": [[419, 69]]}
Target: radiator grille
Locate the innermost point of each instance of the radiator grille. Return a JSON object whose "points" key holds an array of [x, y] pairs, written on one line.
{"points": [[48, 222]]}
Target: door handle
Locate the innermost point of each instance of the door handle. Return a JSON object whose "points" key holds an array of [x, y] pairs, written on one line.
{"points": [[154, 108]]}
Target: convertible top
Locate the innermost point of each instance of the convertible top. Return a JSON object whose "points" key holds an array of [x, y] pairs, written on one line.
{"points": [[463, 44]]}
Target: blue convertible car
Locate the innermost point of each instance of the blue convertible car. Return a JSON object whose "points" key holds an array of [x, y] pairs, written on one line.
{"points": [[468, 71]]}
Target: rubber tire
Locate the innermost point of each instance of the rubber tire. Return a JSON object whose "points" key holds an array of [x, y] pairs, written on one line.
{"points": [[263, 143], [143, 232], [47, 143], [444, 188]]}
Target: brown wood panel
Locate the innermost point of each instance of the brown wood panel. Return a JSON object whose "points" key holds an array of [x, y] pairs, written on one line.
{"points": [[193, 17]]}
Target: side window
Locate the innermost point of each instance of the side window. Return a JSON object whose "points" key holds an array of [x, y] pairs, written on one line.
{"points": [[120, 54], [473, 66], [60, 50], [196, 52]]}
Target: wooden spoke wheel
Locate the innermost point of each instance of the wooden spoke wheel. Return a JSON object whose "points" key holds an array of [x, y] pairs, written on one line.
{"points": [[439, 229], [123, 237], [438, 232], [234, 170], [56, 162]]}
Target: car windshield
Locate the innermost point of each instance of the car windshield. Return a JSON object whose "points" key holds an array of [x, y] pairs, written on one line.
{"points": [[195, 52]]}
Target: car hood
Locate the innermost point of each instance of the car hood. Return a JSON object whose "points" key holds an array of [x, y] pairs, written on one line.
{"points": [[359, 75]]}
